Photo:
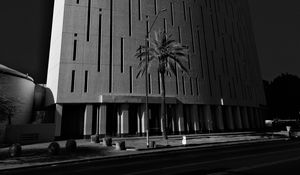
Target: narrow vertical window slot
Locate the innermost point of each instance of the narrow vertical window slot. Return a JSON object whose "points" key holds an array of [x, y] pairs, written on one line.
{"points": [[165, 25], [183, 84], [225, 55], [184, 10], [140, 51], [192, 33], [197, 86], [140, 9], [99, 42], [210, 4], [217, 18], [147, 29], [189, 61], [111, 48], [200, 54], [220, 84], [206, 51], [73, 81], [122, 54], [77, 1], [230, 90], [130, 79], [223, 65], [209, 82], [179, 35], [158, 78], [204, 35], [149, 84], [172, 13], [191, 86], [240, 75], [88, 21], [130, 17], [208, 75], [86, 74], [177, 82], [233, 57], [155, 6], [234, 87], [74, 49], [213, 29], [214, 66]]}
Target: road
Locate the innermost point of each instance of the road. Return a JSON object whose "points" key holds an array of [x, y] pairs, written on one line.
{"points": [[276, 157]]}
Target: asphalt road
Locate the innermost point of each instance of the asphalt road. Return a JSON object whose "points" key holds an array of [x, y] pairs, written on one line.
{"points": [[276, 157]]}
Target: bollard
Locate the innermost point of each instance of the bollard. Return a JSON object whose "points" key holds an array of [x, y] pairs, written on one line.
{"points": [[120, 145], [288, 128], [107, 141], [15, 150], [184, 140], [152, 144], [95, 138]]}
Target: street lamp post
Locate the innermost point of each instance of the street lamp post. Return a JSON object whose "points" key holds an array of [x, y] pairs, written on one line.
{"points": [[147, 43]]}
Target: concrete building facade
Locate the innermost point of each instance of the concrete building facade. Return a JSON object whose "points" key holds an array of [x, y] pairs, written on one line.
{"points": [[92, 68]]}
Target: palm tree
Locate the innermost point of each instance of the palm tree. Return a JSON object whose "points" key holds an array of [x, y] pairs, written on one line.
{"points": [[169, 55]]}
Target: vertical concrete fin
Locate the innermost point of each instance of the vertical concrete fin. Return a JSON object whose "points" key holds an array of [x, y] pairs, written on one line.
{"points": [[88, 118], [55, 47]]}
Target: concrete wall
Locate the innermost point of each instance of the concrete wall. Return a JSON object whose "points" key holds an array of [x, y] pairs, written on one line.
{"points": [[90, 37], [18, 94], [56, 42], [30, 133]]}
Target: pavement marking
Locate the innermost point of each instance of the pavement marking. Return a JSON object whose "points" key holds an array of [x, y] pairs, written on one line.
{"points": [[182, 166]]}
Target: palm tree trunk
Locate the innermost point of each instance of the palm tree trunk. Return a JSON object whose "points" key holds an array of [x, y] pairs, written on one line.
{"points": [[163, 104]]}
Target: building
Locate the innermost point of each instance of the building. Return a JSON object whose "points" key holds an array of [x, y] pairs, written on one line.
{"points": [[25, 109], [92, 69], [16, 96]]}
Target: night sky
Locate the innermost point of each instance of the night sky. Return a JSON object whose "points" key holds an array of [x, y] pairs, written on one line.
{"points": [[26, 28]]}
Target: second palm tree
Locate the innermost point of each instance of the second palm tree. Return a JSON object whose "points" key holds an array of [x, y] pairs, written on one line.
{"points": [[168, 55]]}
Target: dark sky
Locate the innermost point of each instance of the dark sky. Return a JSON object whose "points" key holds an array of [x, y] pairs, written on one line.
{"points": [[276, 24], [25, 36]]}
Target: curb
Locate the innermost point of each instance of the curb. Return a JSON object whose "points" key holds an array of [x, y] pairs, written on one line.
{"points": [[142, 152]]}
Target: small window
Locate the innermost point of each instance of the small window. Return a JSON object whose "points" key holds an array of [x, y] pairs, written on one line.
{"points": [[183, 85], [149, 84], [130, 17], [191, 86], [86, 81], [172, 13], [130, 79], [122, 55], [73, 81], [88, 21], [74, 50]]}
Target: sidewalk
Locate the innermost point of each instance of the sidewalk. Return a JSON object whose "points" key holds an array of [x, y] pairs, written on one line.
{"points": [[37, 155]]}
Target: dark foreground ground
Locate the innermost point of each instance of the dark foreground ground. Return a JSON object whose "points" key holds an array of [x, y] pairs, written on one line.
{"points": [[204, 154], [274, 157]]}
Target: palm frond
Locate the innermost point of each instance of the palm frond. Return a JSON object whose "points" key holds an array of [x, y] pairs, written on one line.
{"points": [[168, 53]]}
